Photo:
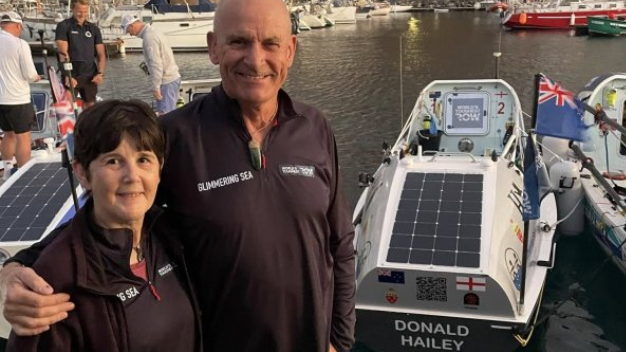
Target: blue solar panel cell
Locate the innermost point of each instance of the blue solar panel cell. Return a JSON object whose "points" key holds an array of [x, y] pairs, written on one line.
{"points": [[471, 260], [398, 255], [401, 241], [420, 256], [423, 242], [445, 258]]}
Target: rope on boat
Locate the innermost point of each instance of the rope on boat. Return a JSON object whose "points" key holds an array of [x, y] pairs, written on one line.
{"points": [[570, 213], [524, 341], [588, 281]]}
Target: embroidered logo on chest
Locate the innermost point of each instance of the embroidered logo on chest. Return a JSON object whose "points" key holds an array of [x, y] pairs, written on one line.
{"points": [[166, 269], [88, 34], [297, 170]]}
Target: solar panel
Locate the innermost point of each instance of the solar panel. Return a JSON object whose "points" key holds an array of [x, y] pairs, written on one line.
{"points": [[438, 221], [32, 202]]}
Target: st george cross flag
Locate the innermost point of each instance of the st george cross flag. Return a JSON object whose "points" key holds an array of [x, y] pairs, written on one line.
{"points": [[559, 113], [530, 203]]}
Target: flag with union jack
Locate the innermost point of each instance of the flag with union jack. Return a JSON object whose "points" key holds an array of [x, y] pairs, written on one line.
{"points": [[559, 112], [64, 110]]}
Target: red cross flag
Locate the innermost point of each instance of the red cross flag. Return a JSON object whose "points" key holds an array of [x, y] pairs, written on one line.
{"points": [[471, 283]]}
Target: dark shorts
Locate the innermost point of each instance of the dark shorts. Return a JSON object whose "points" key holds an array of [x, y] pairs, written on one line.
{"points": [[87, 89], [17, 118]]}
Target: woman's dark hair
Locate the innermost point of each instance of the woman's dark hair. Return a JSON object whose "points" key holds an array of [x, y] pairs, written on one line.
{"points": [[101, 127]]}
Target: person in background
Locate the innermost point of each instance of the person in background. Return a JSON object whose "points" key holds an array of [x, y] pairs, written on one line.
{"points": [[159, 57], [119, 256], [275, 268], [17, 71], [80, 41]]}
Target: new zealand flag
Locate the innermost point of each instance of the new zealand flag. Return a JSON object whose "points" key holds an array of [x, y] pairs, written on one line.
{"points": [[390, 276], [559, 113]]}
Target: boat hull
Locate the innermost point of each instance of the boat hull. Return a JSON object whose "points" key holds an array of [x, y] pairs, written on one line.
{"points": [[556, 20], [605, 26], [403, 332], [609, 234]]}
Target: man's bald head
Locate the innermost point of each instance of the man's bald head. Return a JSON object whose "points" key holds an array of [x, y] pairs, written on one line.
{"points": [[230, 8]]}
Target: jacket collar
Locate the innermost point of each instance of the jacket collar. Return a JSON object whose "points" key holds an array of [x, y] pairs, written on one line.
{"points": [[286, 109], [92, 244], [142, 32], [75, 22]]}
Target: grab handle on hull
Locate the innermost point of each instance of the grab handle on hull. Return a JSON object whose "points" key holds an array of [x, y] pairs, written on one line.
{"points": [[451, 154], [549, 263]]}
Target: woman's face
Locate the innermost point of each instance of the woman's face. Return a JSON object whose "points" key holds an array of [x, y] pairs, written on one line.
{"points": [[123, 184]]}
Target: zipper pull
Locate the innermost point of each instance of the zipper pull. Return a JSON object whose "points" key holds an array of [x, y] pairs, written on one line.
{"points": [[154, 291]]}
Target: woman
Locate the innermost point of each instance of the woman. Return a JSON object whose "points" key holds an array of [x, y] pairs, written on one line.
{"points": [[118, 258]]}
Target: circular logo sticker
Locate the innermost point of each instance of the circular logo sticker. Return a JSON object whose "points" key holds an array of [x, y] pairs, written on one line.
{"points": [[88, 34]]}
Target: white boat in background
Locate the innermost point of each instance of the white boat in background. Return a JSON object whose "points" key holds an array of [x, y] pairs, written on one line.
{"points": [[184, 27], [443, 259], [604, 190], [313, 16], [341, 14], [380, 9], [400, 8]]}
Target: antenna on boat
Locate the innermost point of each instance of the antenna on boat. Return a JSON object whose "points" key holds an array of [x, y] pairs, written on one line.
{"points": [[65, 153], [401, 88], [498, 53]]}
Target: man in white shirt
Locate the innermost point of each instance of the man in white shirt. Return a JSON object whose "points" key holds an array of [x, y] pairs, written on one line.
{"points": [[17, 70]]}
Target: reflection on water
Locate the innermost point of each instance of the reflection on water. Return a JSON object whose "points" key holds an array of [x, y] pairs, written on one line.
{"points": [[353, 73]]}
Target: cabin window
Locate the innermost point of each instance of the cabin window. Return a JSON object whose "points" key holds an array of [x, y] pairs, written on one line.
{"points": [[184, 25], [612, 6], [466, 113], [146, 19], [582, 7], [597, 6]]}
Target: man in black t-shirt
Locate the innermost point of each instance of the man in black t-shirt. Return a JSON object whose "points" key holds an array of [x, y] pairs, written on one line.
{"points": [[80, 41]]}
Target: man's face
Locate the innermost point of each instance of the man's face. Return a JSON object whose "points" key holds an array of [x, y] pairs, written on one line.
{"points": [[254, 48], [133, 28], [81, 12]]}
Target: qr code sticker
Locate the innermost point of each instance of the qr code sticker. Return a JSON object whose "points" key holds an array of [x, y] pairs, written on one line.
{"points": [[431, 289]]}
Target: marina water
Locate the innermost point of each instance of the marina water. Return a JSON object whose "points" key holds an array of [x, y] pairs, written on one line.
{"points": [[366, 77]]}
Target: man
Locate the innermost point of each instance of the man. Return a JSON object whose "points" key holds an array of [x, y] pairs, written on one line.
{"points": [[17, 70], [79, 41], [160, 62], [275, 270]]}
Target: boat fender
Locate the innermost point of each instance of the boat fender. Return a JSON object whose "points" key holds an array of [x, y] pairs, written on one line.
{"points": [[572, 20], [565, 178], [554, 150], [609, 96], [523, 17]]}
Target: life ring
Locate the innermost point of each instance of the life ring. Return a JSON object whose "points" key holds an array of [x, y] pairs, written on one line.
{"points": [[523, 18]]}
